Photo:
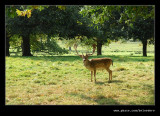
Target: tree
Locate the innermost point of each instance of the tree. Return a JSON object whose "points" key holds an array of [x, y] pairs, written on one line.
{"points": [[12, 12], [24, 21], [108, 27], [142, 29], [22, 27], [60, 21], [114, 20], [140, 21], [26, 25]]}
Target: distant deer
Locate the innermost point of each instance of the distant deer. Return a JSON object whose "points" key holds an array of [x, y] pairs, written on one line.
{"points": [[96, 63]]}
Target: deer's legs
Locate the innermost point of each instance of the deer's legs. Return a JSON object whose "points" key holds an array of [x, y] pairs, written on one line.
{"points": [[110, 73], [95, 75], [91, 75]]}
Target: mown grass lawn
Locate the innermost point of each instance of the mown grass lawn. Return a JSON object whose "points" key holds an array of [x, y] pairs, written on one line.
{"points": [[63, 80]]}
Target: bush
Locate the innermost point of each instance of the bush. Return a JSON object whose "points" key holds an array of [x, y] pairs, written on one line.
{"points": [[52, 46]]}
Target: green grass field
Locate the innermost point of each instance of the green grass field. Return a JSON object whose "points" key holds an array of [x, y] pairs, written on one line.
{"points": [[63, 80]]}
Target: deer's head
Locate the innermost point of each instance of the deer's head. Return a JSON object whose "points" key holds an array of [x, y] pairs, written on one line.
{"points": [[85, 57]]}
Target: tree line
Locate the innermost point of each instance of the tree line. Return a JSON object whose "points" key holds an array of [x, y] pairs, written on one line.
{"points": [[90, 24]]}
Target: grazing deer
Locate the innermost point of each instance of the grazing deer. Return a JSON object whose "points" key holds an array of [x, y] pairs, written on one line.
{"points": [[96, 63]]}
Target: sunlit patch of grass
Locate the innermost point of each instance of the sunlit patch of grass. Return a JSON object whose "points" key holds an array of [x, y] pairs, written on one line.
{"points": [[64, 80]]}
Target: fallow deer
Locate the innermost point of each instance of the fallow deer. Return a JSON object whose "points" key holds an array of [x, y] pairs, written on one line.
{"points": [[96, 63]]}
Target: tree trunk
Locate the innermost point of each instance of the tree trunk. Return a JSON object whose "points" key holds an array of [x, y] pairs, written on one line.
{"points": [[99, 48], [7, 46], [144, 47], [26, 46]]}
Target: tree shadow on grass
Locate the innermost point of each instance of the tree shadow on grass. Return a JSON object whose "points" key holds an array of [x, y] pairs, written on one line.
{"points": [[105, 82], [115, 58], [125, 58], [99, 99], [50, 58], [116, 81]]}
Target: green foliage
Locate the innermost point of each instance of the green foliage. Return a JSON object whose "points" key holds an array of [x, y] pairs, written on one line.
{"points": [[46, 44], [92, 23], [105, 20], [35, 43], [142, 29], [49, 21], [10, 11], [130, 13], [52, 46], [62, 7], [13, 11], [114, 20], [15, 41]]}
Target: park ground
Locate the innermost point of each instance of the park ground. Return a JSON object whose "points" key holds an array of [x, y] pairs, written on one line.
{"points": [[63, 80]]}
